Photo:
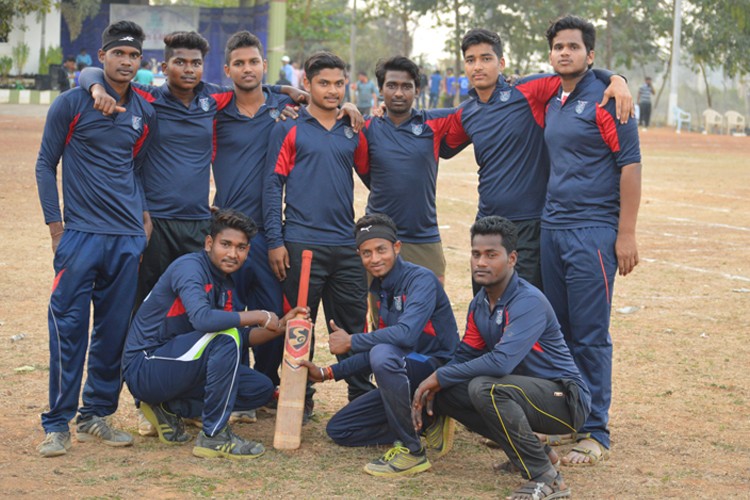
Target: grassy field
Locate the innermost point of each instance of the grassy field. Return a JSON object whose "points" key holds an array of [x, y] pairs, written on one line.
{"points": [[680, 419]]}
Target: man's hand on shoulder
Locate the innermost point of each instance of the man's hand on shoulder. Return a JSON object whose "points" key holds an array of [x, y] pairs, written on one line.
{"points": [[619, 91]]}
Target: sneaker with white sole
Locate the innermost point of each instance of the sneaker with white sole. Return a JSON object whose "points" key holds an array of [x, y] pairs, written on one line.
{"points": [[93, 428], [226, 444], [398, 461], [243, 416], [169, 427], [55, 444]]}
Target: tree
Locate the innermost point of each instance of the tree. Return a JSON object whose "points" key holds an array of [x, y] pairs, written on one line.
{"points": [[314, 25], [75, 12], [716, 34], [10, 9]]}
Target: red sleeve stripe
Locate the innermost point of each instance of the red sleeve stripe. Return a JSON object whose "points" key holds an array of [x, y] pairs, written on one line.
{"points": [[362, 155], [286, 307], [472, 337], [140, 141], [288, 153], [429, 329], [607, 128], [143, 94], [457, 134], [177, 309], [440, 127], [222, 99], [228, 306], [71, 128], [538, 93], [536, 347]]}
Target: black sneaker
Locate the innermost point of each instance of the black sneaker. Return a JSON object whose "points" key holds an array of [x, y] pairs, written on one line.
{"points": [[226, 444], [170, 427], [309, 411]]}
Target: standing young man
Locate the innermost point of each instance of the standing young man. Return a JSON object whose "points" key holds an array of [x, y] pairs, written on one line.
{"points": [[588, 225], [512, 375], [98, 248], [417, 333], [182, 356], [310, 164], [506, 126], [645, 92], [367, 94], [435, 84], [239, 165], [402, 166]]}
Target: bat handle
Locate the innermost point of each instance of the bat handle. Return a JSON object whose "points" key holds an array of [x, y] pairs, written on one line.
{"points": [[304, 278]]}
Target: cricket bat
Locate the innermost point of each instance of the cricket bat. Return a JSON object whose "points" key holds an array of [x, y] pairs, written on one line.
{"points": [[288, 433]]}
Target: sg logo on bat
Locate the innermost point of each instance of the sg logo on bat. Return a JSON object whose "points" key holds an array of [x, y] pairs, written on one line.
{"points": [[297, 343]]}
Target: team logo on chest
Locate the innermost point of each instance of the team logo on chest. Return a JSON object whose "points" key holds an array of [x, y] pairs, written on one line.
{"points": [[580, 106], [504, 95], [348, 132], [417, 128], [274, 113], [136, 122], [204, 104], [499, 317], [398, 303]]}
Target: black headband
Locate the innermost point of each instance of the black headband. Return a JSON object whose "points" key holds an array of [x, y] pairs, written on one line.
{"points": [[375, 231], [109, 41]]}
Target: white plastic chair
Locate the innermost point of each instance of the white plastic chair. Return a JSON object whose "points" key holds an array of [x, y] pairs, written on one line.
{"points": [[681, 117], [712, 119], [735, 122]]}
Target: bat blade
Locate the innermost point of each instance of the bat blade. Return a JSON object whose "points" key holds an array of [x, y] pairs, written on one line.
{"points": [[291, 405]]}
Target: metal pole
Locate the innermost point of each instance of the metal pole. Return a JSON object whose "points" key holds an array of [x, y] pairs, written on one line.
{"points": [[276, 37], [674, 81], [353, 50]]}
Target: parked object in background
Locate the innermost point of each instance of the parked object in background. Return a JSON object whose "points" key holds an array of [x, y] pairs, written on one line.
{"points": [[681, 117], [712, 119], [735, 123]]}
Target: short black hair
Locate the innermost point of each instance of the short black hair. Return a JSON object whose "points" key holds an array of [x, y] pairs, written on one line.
{"points": [[494, 224], [69, 59], [323, 60], [227, 218], [242, 39], [145, 64], [184, 40], [588, 32], [479, 35], [397, 63], [122, 28], [375, 219]]}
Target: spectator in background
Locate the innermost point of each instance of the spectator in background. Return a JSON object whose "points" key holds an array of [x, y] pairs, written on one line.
{"points": [[367, 94], [83, 58], [66, 74], [449, 89], [423, 84], [287, 68], [296, 81], [77, 73], [435, 80], [282, 78], [144, 76], [644, 103], [463, 87]]}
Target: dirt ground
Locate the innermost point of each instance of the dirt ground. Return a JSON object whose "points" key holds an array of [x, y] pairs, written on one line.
{"points": [[680, 419]]}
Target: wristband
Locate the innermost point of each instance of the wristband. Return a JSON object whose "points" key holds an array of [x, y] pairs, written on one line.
{"points": [[56, 234], [329, 373], [268, 316], [322, 374]]}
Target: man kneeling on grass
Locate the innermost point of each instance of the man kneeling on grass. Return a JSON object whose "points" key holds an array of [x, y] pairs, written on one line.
{"points": [[417, 334], [182, 355], [512, 374]]}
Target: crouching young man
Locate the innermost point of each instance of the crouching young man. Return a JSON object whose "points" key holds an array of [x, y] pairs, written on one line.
{"points": [[417, 334], [182, 355], [512, 374]]}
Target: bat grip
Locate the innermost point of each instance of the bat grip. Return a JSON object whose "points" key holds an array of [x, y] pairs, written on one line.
{"points": [[304, 278]]}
